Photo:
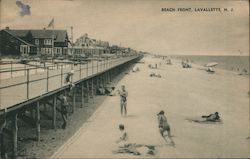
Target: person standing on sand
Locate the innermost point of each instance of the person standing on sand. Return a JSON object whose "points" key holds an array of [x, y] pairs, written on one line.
{"points": [[164, 128], [123, 100], [64, 111]]}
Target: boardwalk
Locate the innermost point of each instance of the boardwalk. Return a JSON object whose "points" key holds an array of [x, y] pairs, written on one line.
{"points": [[33, 85], [181, 93]]}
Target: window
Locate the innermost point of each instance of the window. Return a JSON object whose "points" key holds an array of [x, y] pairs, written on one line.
{"points": [[57, 50], [37, 41], [47, 42], [24, 49], [48, 50]]}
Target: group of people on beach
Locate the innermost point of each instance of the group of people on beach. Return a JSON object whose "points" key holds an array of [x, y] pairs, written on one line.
{"points": [[132, 148]]}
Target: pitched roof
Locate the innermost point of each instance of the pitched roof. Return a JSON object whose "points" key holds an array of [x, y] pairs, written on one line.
{"points": [[14, 35], [60, 35], [18, 33]]}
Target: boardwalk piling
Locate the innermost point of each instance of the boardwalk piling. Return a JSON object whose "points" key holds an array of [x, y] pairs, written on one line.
{"points": [[80, 68], [87, 68], [74, 100], [38, 120], [92, 62], [82, 95], [28, 76], [87, 93], [61, 75], [47, 84], [92, 88], [54, 112], [14, 133]]}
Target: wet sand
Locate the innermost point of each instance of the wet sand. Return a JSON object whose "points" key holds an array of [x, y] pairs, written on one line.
{"points": [[182, 94]]}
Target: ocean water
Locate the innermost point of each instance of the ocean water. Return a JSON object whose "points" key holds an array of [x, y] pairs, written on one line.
{"points": [[232, 63]]}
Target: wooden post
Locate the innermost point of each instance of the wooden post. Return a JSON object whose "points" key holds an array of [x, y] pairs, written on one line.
{"points": [[61, 75], [45, 107], [104, 80], [11, 65], [87, 93], [97, 83], [54, 112], [14, 133], [74, 100], [25, 69], [87, 70], [82, 95], [109, 75], [32, 114], [38, 121], [103, 83], [92, 66], [47, 88], [92, 88], [28, 76], [97, 65], [80, 71]]}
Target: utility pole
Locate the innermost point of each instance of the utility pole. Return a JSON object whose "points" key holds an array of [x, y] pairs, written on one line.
{"points": [[72, 42]]}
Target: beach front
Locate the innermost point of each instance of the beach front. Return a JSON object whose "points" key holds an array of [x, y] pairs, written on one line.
{"points": [[182, 94]]}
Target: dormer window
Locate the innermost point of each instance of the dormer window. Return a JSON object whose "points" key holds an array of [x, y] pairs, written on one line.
{"points": [[37, 41], [47, 42]]}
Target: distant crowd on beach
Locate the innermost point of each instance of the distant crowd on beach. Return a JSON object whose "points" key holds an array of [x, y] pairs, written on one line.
{"points": [[124, 144]]}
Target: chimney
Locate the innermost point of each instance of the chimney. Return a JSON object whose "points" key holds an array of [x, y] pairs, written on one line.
{"points": [[7, 28]]}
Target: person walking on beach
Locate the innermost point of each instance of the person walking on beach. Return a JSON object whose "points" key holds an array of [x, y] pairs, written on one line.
{"points": [[164, 128], [123, 100], [64, 111]]}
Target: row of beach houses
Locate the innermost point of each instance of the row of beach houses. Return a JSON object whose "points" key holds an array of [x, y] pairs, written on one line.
{"points": [[54, 43]]}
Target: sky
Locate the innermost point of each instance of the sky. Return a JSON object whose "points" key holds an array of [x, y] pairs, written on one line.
{"points": [[141, 24]]}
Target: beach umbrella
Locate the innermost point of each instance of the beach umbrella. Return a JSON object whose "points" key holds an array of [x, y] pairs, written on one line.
{"points": [[211, 64]]}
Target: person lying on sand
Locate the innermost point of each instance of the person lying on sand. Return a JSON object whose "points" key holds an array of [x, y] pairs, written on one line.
{"points": [[210, 69], [131, 148], [135, 69], [111, 91], [207, 119], [155, 75], [212, 117], [164, 128]]}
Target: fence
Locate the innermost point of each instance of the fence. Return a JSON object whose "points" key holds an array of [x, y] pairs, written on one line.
{"points": [[30, 86]]}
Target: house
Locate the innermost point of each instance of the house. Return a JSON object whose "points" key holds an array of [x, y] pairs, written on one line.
{"points": [[12, 45], [91, 47], [34, 42], [43, 40]]}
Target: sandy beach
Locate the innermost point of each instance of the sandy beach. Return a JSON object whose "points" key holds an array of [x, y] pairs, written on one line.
{"points": [[182, 94]]}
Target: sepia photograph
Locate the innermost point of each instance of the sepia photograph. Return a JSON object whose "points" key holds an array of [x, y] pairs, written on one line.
{"points": [[124, 79]]}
